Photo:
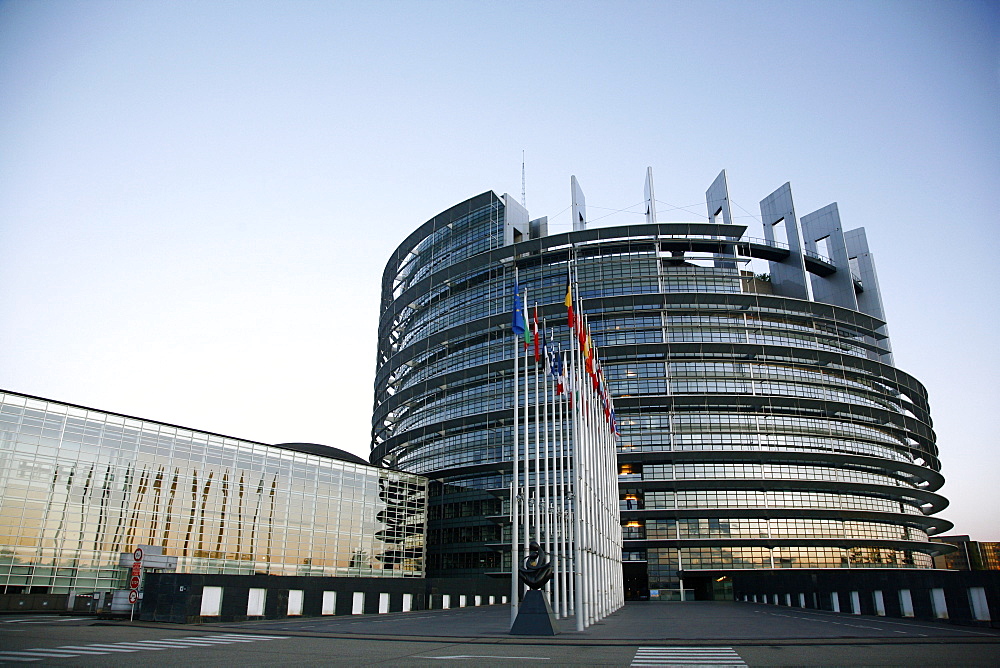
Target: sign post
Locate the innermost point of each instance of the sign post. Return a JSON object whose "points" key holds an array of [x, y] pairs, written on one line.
{"points": [[135, 579]]}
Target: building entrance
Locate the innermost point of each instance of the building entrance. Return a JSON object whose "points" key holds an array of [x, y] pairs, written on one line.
{"points": [[636, 581], [710, 588]]}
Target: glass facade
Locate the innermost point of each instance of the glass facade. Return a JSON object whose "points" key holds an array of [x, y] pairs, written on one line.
{"points": [[79, 486], [758, 430]]}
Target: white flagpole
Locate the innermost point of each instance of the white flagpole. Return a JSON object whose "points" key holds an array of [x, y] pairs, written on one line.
{"points": [[572, 600], [557, 495], [552, 586], [537, 514], [515, 512], [554, 508], [527, 470], [578, 493], [582, 596], [561, 497], [590, 524]]}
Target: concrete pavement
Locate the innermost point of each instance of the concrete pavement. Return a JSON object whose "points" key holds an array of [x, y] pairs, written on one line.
{"points": [[636, 623], [640, 635]]}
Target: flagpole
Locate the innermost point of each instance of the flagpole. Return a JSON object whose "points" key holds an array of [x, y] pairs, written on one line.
{"points": [[537, 511], [578, 491], [515, 511], [561, 495], [551, 586], [527, 471]]}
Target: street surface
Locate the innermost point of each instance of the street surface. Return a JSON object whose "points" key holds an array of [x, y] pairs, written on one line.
{"points": [[687, 634]]}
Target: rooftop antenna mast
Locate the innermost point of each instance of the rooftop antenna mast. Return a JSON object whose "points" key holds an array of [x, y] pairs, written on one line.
{"points": [[524, 203]]}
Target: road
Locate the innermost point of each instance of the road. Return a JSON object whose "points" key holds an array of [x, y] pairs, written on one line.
{"points": [[819, 639]]}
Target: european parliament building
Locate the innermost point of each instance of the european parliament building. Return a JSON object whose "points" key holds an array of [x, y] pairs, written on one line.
{"points": [[763, 423]]}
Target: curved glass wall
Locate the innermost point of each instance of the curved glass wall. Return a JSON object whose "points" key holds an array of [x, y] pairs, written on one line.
{"points": [[757, 430]]}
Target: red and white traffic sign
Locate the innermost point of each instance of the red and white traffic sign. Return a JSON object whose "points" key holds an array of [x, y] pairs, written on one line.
{"points": [[133, 582], [136, 568], [133, 596], [137, 555]]}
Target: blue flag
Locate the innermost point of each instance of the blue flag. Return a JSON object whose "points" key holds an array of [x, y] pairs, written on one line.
{"points": [[518, 316]]}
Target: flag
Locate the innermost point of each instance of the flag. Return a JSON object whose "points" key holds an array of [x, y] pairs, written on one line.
{"points": [[560, 374], [570, 319], [524, 317], [548, 355], [534, 332], [517, 320]]}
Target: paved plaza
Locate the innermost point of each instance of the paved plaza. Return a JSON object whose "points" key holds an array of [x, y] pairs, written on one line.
{"points": [[698, 622], [640, 635]]}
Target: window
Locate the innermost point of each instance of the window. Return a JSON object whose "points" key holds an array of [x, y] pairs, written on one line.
{"points": [[780, 234], [823, 247]]}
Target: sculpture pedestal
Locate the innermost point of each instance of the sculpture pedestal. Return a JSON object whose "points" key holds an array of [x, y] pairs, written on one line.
{"points": [[534, 616]]}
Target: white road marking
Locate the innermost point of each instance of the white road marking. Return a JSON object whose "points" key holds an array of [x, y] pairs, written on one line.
{"points": [[77, 650], [69, 651], [687, 656], [108, 648], [486, 656], [3, 657], [825, 613]]}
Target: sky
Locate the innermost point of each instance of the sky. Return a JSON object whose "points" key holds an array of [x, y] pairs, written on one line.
{"points": [[197, 199]]}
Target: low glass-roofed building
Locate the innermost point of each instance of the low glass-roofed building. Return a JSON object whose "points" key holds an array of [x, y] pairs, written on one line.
{"points": [[763, 422], [80, 486]]}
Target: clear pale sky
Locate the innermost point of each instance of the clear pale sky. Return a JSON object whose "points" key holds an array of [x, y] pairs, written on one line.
{"points": [[197, 199]]}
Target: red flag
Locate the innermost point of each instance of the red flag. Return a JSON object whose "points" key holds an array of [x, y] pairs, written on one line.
{"points": [[570, 318], [588, 355]]}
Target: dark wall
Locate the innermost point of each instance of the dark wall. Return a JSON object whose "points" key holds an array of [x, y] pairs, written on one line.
{"points": [[176, 597], [820, 585]]}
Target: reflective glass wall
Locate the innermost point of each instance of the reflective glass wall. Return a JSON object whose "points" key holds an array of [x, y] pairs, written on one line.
{"points": [[80, 486], [758, 430]]}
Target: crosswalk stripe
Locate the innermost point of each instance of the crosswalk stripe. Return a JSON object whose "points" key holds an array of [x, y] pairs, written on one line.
{"points": [[68, 651], [110, 648], [81, 651], [42, 653], [196, 641], [164, 644], [4, 657], [687, 656]]}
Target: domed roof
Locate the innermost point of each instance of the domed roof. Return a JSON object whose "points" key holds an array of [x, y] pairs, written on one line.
{"points": [[323, 451]]}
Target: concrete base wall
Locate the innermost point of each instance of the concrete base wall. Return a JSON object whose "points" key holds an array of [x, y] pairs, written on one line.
{"points": [[177, 597], [35, 602], [932, 594]]}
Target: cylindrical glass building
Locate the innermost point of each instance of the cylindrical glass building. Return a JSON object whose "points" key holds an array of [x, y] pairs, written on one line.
{"points": [[763, 424]]}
